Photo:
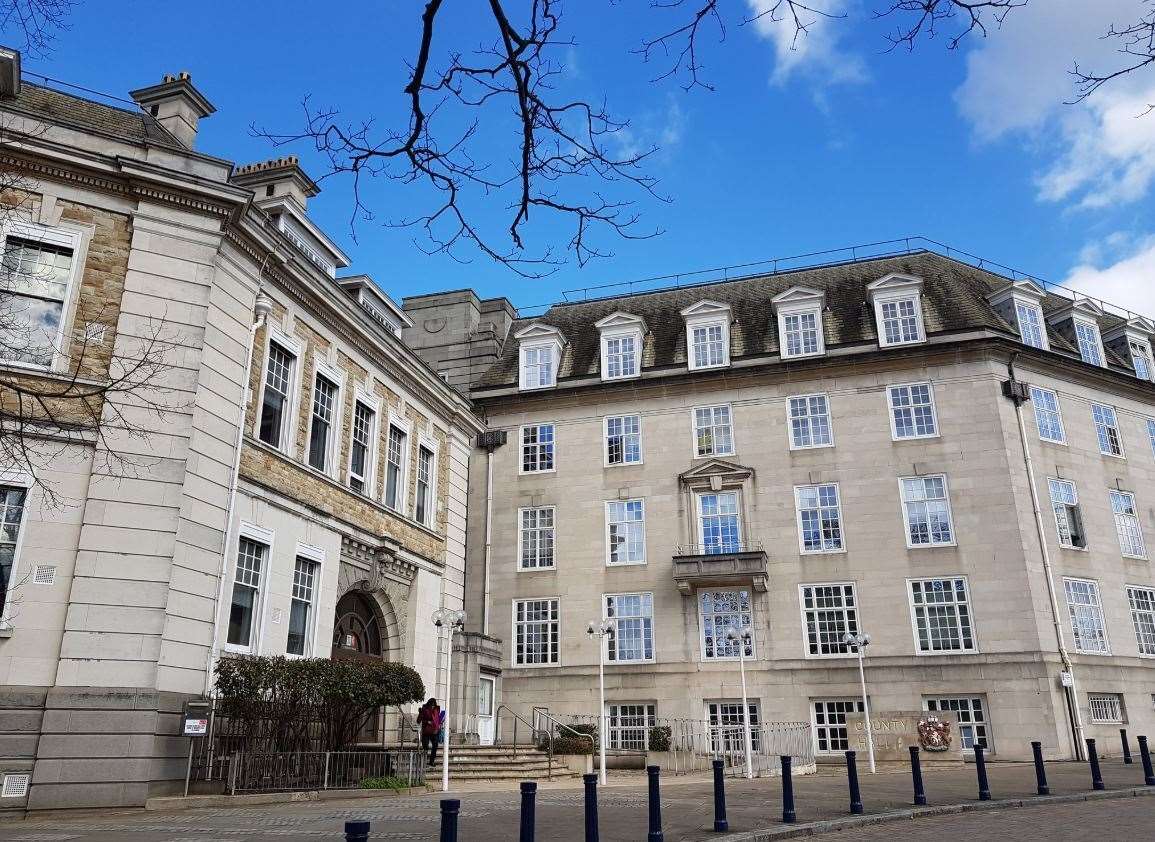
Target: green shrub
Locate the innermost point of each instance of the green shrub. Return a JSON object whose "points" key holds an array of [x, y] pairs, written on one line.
{"points": [[384, 783], [660, 738], [566, 741]]}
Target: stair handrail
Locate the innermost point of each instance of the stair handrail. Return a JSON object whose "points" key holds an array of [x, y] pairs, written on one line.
{"points": [[532, 734], [544, 714]]}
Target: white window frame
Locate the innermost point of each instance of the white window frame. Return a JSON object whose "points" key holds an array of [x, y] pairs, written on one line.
{"points": [[1076, 322], [970, 614], [367, 479], [810, 308], [615, 729], [906, 513], [555, 349], [1143, 617], [1097, 606], [521, 449], [894, 436], [841, 548], [850, 618], [425, 443], [556, 601], [895, 289], [790, 418], [611, 641], [337, 377], [67, 237], [1124, 519], [406, 427], [315, 556], [633, 333], [522, 567], [1041, 323], [1110, 704], [608, 523], [260, 535], [956, 704], [726, 728], [712, 426], [292, 402], [27, 482], [1082, 527], [701, 526], [1143, 347], [1038, 392], [753, 653], [856, 706], [707, 314], [625, 450], [1107, 428], [1151, 433]]}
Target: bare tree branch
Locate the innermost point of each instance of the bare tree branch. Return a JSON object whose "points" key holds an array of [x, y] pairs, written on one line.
{"points": [[38, 22], [924, 18], [1135, 43]]}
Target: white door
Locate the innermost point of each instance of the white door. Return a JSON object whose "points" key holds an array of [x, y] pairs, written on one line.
{"points": [[485, 690]]}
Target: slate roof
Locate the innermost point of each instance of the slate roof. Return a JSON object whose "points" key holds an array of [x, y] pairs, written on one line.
{"points": [[59, 107], [954, 298]]}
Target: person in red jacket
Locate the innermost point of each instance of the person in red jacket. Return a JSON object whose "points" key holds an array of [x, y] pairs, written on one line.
{"points": [[429, 721]]}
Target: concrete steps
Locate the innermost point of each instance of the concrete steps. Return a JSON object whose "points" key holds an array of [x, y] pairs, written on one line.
{"points": [[522, 762]]}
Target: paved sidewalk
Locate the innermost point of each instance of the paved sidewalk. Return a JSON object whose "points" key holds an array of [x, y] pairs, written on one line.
{"points": [[687, 810]]}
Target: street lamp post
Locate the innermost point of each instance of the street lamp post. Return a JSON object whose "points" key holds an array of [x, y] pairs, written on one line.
{"points": [[859, 642], [451, 621], [601, 631], [740, 636]]}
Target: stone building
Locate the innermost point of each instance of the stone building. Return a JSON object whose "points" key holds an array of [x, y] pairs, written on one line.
{"points": [[807, 453], [303, 492]]}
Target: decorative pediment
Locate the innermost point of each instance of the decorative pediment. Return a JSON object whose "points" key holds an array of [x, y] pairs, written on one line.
{"points": [[1084, 307], [539, 331], [705, 309], [1025, 289], [621, 321], [895, 282], [798, 295], [1136, 327], [715, 474]]}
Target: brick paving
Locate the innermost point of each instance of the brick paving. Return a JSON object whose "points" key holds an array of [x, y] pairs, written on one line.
{"points": [[687, 812]]}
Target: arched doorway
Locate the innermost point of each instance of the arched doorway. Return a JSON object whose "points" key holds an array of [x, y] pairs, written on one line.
{"points": [[365, 628], [356, 628]]}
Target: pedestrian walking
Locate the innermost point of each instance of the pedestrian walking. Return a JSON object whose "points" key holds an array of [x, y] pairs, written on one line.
{"points": [[429, 720]]}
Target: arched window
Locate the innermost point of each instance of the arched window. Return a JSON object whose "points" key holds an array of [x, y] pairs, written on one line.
{"points": [[356, 631]]}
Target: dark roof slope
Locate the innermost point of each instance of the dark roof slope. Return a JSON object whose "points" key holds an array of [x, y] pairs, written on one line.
{"points": [[59, 107], [954, 299]]}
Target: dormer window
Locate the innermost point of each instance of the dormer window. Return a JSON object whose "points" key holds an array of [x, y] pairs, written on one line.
{"points": [[707, 335], [897, 301], [1020, 303], [539, 353], [1141, 359], [1090, 344], [799, 311], [621, 343], [1030, 319], [1078, 324], [1132, 341]]}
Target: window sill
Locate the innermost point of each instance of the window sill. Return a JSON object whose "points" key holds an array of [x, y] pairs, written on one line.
{"points": [[552, 569]]}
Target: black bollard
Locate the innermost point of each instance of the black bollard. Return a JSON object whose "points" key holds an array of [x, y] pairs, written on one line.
{"points": [[1145, 756], [981, 769], [450, 807], [1040, 771], [591, 782], [1126, 747], [357, 831], [528, 810], [720, 823], [852, 780], [916, 775], [655, 834], [1093, 758], [788, 814]]}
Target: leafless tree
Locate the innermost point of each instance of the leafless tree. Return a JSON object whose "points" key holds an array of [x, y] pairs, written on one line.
{"points": [[35, 22], [1135, 42]]}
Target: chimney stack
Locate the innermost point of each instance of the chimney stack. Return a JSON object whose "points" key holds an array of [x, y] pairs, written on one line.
{"points": [[176, 104], [9, 73], [276, 180]]}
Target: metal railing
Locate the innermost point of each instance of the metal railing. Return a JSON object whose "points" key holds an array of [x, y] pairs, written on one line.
{"points": [[291, 771], [722, 548]]}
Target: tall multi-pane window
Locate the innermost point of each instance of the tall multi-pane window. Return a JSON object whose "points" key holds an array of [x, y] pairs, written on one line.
{"points": [[537, 366], [251, 560], [912, 414], [810, 422], [632, 637], [625, 532], [1141, 359], [728, 727], [718, 611], [830, 734], [623, 440], [321, 430], [708, 346], [718, 523], [423, 504], [1086, 611], [33, 291], [942, 615], [819, 518], [802, 334], [11, 516], [1068, 516], [536, 540], [275, 402], [536, 631], [1048, 415], [1142, 602], [361, 446], [304, 581], [396, 446], [972, 719], [630, 724], [1090, 345], [900, 321], [621, 356], [537, 448], [1030, 319], [829, 611], [1107, 429], [926, 508], [1127, 524], [713, 431]]}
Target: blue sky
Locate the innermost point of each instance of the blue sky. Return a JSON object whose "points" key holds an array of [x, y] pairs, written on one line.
{"points": [[831, 144]]}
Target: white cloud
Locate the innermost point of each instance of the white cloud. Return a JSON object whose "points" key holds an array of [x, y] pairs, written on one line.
{"points": [[1095, 154], [816, 53], [1128, 281], [662, 128]]}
